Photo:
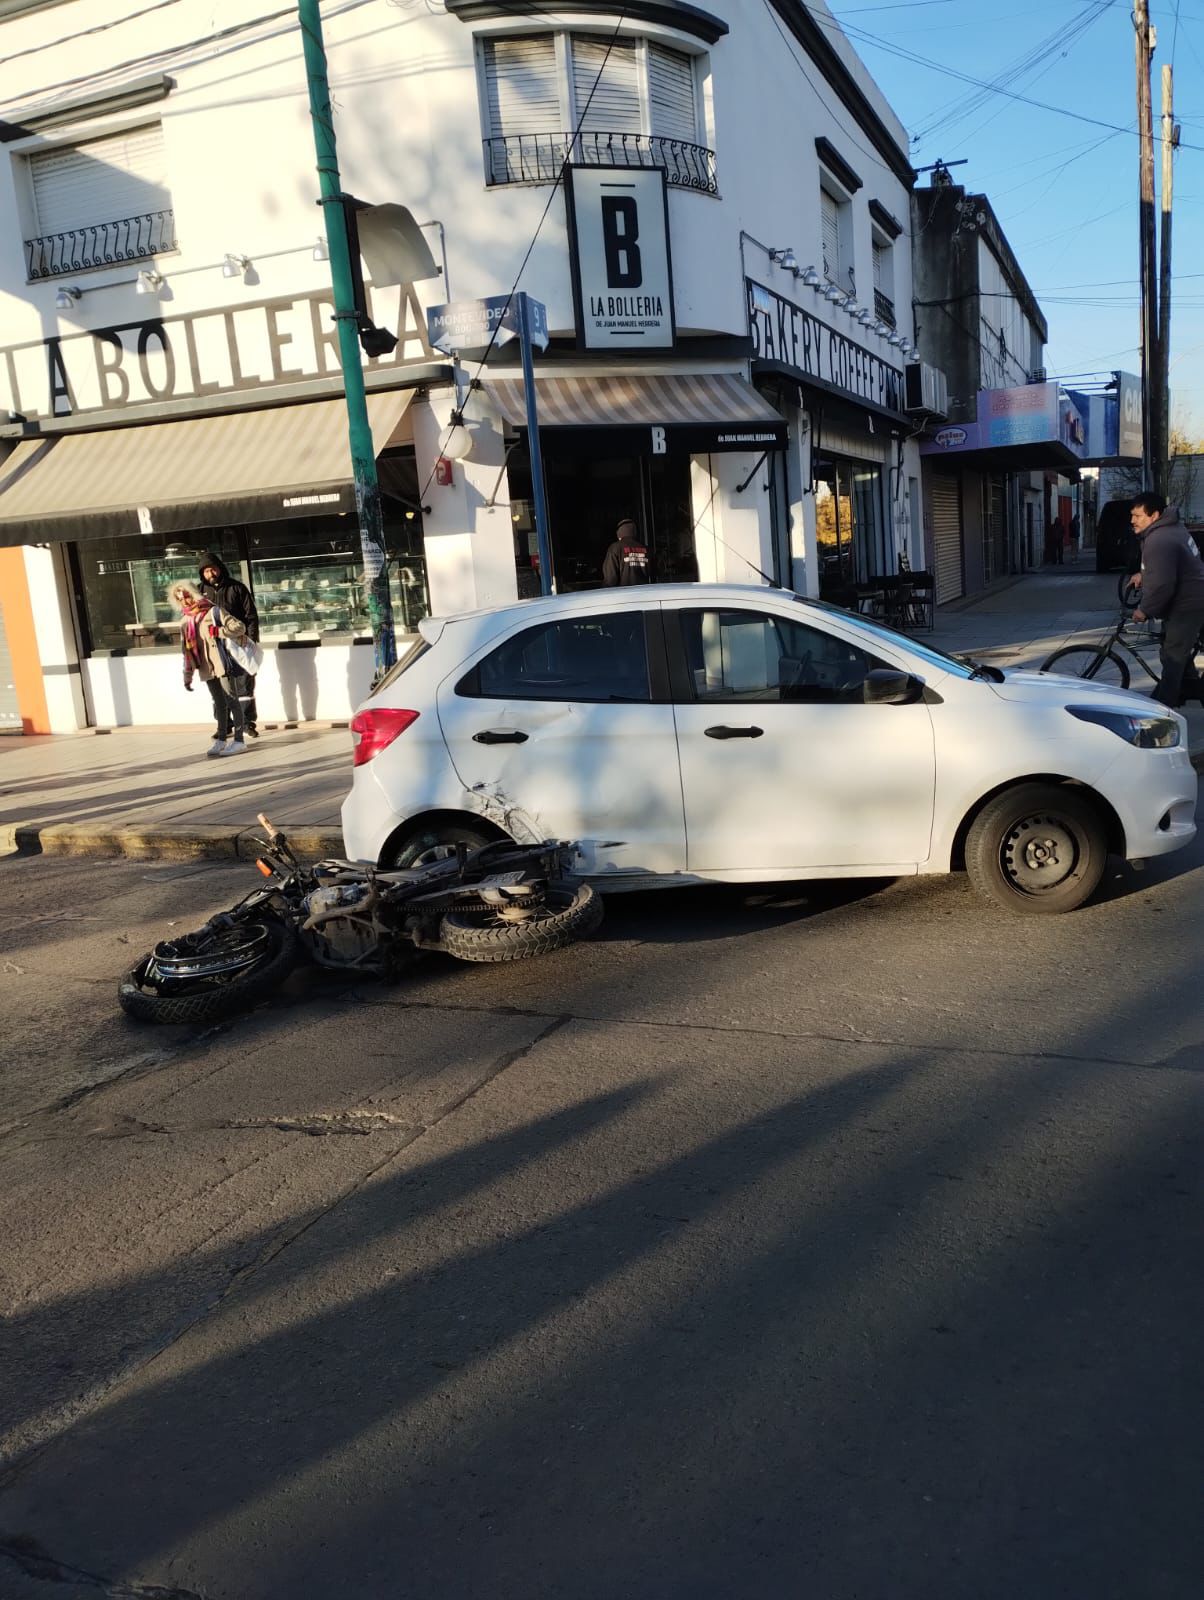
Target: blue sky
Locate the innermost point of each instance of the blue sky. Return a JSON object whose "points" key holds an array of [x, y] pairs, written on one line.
{"points": [[1064, 189]]}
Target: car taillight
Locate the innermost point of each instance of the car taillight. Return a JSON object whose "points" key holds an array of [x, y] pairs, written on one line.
{"points": [[376, 729]]}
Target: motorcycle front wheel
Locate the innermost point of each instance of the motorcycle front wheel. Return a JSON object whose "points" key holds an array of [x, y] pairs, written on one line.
{"points": [[486, 934], [211, 974]]}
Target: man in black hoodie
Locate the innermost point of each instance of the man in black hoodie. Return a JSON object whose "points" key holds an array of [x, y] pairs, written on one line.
{"points": [[235, 598], [1172, 588]]}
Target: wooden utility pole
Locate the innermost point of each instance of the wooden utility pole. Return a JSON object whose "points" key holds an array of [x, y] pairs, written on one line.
{"points": [[1162, 466], [1149, 265]]}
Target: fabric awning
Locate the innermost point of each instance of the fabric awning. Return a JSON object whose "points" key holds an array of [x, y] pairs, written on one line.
{"points": [[244, 466], [696, 413]]}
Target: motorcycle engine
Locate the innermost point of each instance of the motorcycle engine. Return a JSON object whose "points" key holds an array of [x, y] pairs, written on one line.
{"points": [[342, 940]]}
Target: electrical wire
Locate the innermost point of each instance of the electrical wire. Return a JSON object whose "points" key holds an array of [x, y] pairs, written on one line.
{"points": [[85, 33], [861, 36]]}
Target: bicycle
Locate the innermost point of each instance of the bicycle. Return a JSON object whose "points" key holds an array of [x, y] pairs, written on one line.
{"points": [[1101, 661]]}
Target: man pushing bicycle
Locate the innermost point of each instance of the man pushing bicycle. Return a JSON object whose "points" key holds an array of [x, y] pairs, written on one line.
{"points": [[1172, 590]]}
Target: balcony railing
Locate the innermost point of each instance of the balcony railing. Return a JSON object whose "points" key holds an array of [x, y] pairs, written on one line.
{"points": [[538, 157], [884, 308], [102, 244]]}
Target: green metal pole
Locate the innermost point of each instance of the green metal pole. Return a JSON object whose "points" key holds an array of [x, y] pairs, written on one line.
{"points": [[363, 452]]}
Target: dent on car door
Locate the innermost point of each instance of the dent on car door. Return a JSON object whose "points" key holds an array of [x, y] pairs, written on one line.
{"points": [[784, 764], [563, 729]]}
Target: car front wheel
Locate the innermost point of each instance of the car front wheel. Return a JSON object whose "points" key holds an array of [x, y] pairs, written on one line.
{"points": [[1038, 848]]}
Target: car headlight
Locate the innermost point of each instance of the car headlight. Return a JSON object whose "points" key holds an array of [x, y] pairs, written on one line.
{"points": [[1147, 733]]}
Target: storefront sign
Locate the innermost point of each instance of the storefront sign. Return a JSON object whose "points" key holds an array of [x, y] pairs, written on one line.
{"points": [[619, 255], [208, 352], [1131, 432], [1030, 414], [471, 324], [784, 332]]}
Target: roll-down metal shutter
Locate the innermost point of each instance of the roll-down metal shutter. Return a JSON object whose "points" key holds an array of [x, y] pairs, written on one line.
{"points": [[947, 538]]}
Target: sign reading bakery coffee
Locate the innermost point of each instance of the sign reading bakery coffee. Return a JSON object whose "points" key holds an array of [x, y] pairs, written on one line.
{"points": [[619, 255], [786, 333], [207, 352]]}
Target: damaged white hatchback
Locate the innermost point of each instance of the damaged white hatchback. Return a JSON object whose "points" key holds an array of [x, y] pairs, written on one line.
{"points": [[714, 733]]}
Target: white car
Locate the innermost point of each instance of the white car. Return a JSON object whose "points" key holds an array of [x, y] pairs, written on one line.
{"points": [[690, 733]]}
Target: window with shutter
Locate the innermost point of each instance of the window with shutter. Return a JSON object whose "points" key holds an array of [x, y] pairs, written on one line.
{"points": [[609, 103], [671, 94], [100, 181], [830, 224], [100, 202], [879, 270], [521, 82]]}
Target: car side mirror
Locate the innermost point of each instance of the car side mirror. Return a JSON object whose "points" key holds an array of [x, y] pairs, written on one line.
{"points": [[885, 686]]}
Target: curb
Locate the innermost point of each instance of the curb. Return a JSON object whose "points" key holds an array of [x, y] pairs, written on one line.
{"points": [[157, 843]]}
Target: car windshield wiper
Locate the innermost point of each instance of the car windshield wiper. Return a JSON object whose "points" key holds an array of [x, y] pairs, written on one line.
{"points": [[980, 669]]}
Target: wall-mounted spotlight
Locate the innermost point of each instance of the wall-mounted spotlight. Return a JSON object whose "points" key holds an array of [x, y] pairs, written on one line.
{"points": [[321, 250], [812, 278], [913, 354], [882, 329], [234, 266], [785, 258], [851, 306], [834, 293], [865, 317], [66, 298], [148, 282]]}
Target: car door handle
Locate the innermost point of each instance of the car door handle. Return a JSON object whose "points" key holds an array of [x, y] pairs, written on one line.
{"points": [[495, 736], [724, 732]]}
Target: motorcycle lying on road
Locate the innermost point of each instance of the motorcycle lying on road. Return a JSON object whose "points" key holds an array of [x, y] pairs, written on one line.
{"points": [[501, 902]]}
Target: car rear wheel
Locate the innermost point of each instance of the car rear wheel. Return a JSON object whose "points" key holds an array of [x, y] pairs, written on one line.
{"points": [[1039, 848], [435, 843]]}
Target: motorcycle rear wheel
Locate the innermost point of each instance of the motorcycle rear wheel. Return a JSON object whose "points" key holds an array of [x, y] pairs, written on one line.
{"points": [[208, 999], [567, 914]]}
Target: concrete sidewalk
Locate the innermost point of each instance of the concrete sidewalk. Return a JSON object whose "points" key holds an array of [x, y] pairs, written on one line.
{"points": [[151, 793]]}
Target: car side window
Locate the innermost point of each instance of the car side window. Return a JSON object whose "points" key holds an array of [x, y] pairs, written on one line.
{"points": [[579, 658], [754, 656]]}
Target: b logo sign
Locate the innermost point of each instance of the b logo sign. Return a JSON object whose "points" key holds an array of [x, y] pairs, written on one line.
{"points": [[620, 230], [659, 446]]}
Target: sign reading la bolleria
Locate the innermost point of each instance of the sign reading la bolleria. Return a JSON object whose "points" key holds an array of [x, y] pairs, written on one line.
{"points": [[228, 350], [784, 332]]}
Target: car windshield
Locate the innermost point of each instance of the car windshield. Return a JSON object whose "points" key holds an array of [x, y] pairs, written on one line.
{"points": [[938, 658]]}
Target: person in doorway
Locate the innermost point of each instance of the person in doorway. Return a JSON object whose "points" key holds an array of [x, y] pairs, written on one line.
{"points": [[1073, 537], [626, 561], [1172, 589], [1053, 543], [236, 600], [202, 625]]}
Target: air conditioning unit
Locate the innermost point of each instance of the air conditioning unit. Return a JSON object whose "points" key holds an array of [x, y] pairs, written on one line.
{"points": [[1038, 375], [925, 389]]}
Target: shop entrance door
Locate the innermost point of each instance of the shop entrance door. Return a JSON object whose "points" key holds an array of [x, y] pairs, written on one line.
{"points": [[587, 499], [848, 526]]}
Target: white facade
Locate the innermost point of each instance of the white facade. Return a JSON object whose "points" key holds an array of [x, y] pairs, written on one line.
{"points": [[205, 122]]}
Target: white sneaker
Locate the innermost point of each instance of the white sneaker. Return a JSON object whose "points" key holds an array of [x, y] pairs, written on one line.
{"points": [[235, 748], [217, 748]]}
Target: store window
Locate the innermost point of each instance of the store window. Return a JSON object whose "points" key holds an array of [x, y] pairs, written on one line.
{"points": [[305, 576], [748, 656], [123, 586]]}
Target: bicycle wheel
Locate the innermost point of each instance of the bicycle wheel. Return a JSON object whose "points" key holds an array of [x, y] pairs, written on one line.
{"points": [[1089, 661]]}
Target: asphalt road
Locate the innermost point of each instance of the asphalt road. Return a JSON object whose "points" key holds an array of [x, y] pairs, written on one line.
{"points": [[835, 1241]]}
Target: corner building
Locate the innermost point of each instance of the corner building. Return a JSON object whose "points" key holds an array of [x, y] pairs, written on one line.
{"points": [[725, 267]]}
